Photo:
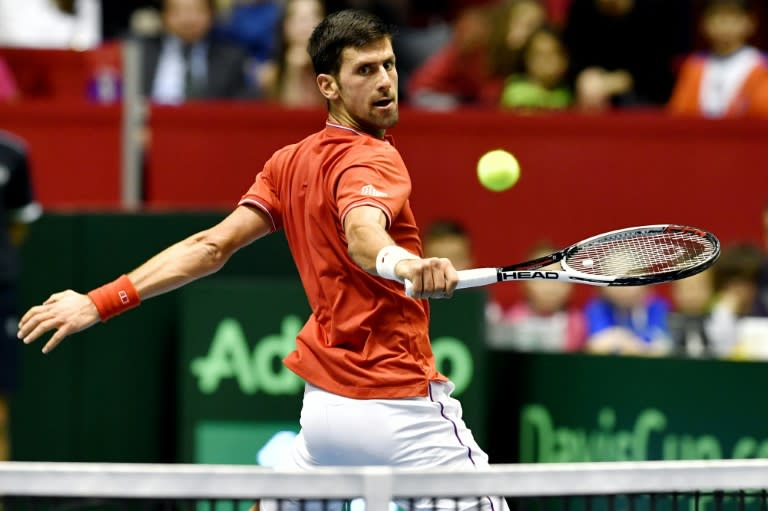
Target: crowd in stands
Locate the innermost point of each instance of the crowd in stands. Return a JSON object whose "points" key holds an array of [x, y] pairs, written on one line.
{"points": [[689, 57], [721, 312]]}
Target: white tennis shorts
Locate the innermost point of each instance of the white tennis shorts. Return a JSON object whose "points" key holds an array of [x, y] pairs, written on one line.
{"points": [[418, 432]]}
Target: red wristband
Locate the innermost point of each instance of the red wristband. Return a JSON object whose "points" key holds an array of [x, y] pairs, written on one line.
{"points": [[115, 298]]}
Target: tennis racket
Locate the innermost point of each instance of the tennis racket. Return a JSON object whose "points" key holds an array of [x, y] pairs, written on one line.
{"points": [[634, 256]]}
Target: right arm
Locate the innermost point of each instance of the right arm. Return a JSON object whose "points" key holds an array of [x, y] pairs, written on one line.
{"points": [[201, 254], [364, 227]]}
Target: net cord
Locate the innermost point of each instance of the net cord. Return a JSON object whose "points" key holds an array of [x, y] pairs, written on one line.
{"points": [[378, 485]]}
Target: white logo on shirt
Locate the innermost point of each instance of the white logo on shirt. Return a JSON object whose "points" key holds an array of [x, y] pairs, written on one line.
{"points": [[373, 192]]}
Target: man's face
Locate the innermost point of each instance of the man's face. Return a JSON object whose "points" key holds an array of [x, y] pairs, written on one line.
{"points": [[364, 94], [189, 20]]}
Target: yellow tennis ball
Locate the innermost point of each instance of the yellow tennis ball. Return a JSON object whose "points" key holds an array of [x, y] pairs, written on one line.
{"points": [[498, 170]]}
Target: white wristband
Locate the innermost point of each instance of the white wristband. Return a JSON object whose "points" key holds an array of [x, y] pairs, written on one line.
{"points": [[387, 259]]}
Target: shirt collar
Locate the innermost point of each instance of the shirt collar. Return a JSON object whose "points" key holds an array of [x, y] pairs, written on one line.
{"points": [[387, 138]]}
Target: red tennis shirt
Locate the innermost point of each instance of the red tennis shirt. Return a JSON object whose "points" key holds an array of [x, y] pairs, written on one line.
{"points": [[364, 338]]}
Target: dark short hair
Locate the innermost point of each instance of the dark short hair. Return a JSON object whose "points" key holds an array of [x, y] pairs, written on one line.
{"points": [[343, 29]]}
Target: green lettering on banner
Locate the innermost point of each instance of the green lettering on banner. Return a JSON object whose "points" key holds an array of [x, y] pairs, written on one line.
{"points": [[541, 441], [647, 422], [690, 447], [268, 355], [454, 360], [744, 448], [536, 429], [762, 451], [229, 357]]}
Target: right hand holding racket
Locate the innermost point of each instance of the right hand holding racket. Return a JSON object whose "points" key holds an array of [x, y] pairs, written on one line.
{"points": [[67, 312], [433, 277]]}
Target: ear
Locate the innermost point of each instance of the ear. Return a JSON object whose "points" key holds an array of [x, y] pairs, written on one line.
{"points": [[328, 86]]}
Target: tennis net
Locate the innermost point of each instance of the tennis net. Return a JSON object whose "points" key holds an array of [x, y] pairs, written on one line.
{"points": [[717, 485]]}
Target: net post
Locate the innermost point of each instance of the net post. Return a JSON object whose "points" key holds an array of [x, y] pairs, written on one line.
{"points": [[377, 484]]}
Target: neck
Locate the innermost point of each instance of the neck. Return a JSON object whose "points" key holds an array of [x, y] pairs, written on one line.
{"points": [[347, 122]]}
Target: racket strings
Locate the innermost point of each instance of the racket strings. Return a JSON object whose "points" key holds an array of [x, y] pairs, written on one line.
{"points": [[646, 254]]}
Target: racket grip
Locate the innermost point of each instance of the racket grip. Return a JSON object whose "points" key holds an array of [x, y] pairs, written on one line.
{"points": [[467, 278], [477, 277]]}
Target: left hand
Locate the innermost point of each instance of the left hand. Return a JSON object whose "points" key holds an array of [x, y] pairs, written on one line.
{"points": [[67, 312]]}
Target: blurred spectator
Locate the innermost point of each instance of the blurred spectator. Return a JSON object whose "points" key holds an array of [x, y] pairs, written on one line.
{"points": [[689, 319], [541, 82], [290, 80], [50, 23], [472, 67], [627, 321], [251, 24], [19, 208], [623, 51], [736, 277], [730, 79], [544, 320], [186, 63], [449, 239], [8, 88]]}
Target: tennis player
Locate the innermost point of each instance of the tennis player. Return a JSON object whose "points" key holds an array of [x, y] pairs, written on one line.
{"points": [[373, 395]]}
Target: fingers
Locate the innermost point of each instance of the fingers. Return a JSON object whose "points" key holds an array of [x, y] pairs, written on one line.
{"points": [[32, 324], [432, 278], [39, 324], [64, 313], [54, 340]]}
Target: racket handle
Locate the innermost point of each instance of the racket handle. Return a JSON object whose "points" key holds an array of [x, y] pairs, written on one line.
{"points": [[467, 278], [477, 277]]}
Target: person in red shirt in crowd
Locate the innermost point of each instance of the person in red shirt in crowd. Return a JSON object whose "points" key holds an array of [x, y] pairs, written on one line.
{"points": [[341, 197], [472, 68]]}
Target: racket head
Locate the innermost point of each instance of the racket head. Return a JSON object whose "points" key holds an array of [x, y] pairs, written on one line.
{"points": [[648, 254]]}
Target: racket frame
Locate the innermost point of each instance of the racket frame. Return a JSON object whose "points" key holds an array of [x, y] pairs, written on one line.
{"points": [[513, 272]]}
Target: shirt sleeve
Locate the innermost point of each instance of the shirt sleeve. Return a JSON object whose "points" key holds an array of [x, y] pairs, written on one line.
{"points": [[263, 195], [377, 179]]}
